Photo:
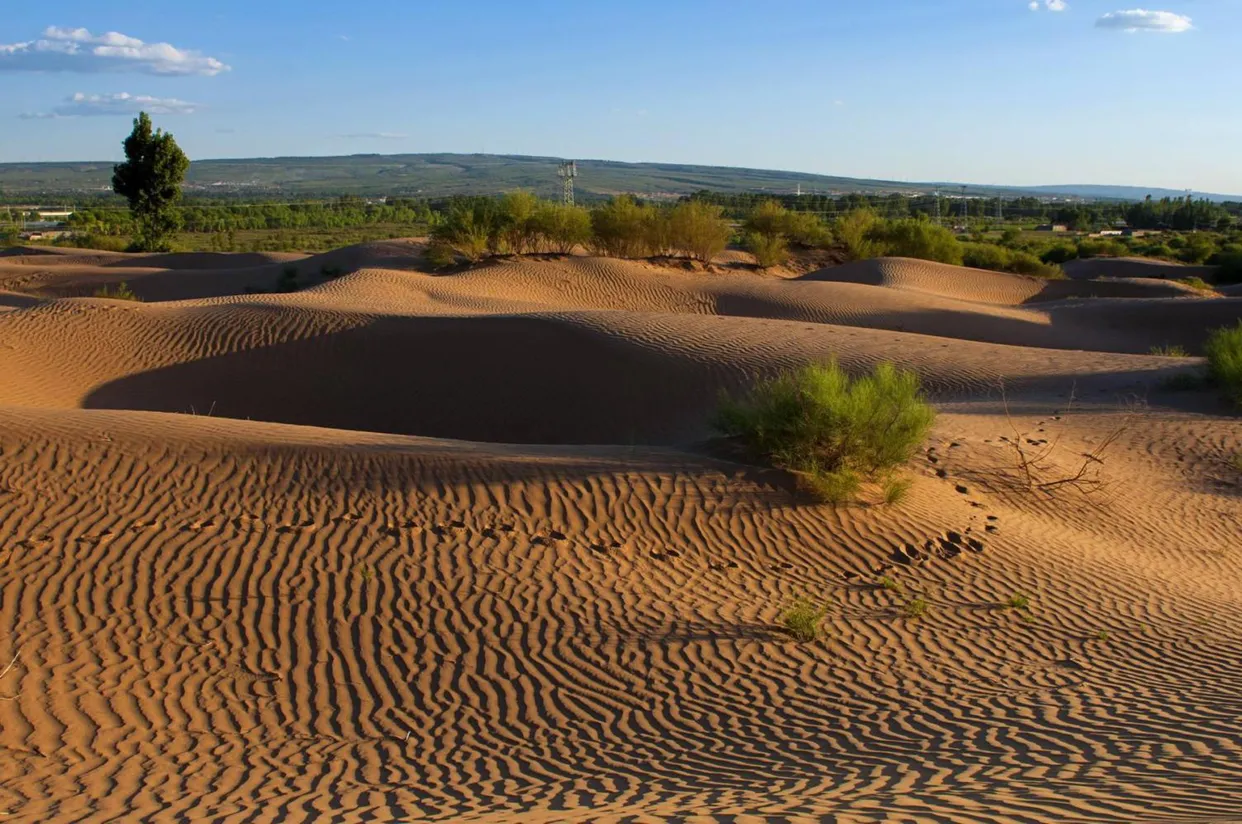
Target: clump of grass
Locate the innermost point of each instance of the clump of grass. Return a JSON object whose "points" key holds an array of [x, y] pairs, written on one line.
{"points": [[915, 608], [1224, 355], [1170, 351], [1101, 635], [803, 618], [1018, 601], [832, 430], [890, 584], [119, 292], [1235, 461], [896, 490], [288, 280], [1197, 283], [365, 573]]}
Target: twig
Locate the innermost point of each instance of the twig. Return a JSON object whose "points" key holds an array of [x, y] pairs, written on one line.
{"points": [[6, 672]]}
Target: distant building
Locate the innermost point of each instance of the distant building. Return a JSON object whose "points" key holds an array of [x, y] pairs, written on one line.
{"points": [[54, 216], [1052, 227]]}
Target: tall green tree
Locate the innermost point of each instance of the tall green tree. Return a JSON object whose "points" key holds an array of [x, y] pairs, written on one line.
{"points": [[150, 179]]}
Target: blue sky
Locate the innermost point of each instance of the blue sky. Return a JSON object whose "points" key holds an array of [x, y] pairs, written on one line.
{"points": [[985, 91]]}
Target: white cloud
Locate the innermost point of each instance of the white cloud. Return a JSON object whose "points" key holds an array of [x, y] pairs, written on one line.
{"points": [[375, 136], [1143, 20], [77, 50], [103, 105], [1050, 5]]}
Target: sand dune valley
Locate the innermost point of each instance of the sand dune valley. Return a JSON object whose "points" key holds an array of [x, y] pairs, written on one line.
{"points": [[415, 546]]}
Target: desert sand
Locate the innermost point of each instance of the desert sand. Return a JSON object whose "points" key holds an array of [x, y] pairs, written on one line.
{"points": [[454, 547]]}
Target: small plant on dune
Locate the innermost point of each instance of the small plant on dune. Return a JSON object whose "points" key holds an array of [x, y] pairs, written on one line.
{"points": [[1224, 355], [803, 618], [896, 490], [365, 573], [1101, 635], [119, 292], [890, 584], [1235, 461], [330, 272], [1170, 351], [831, 430], [915, 608], [769, 250], [1198, 284], [1018, 601], [288, 281]]}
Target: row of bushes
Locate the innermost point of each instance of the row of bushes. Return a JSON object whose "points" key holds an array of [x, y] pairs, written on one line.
{"points": [[520, 223]]}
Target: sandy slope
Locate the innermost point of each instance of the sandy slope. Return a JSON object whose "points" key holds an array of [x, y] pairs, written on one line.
{"points": [[228, 620], [1136, 267]]}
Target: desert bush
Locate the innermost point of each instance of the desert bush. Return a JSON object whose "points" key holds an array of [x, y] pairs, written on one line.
{"points": [[896, 490], [1059, 253], [1229, 265], [1197, 283], [1088, 248], [916, 608], [916, 238], [832, 430], [623, 228], [468, 230], [288, 280], [1018, 601], [104, 243], [698, 229], [1170, 351], [802, 619], [513, 230], [439, 255], [986, 256], [1224, 356], [120, 291], [1197, 248], [806, 229], [769, 218], [559, 227], [853, 231], [769, 250]]}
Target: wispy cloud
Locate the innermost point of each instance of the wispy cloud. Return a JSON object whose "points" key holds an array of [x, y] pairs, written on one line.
{"points": [[1050, 5], [108, 105], [77, 50], [1142, 20], [374, 136]]}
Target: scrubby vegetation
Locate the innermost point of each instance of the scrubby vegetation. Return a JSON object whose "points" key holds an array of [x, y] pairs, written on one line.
{"points": [[833, 431], [120, 291], [1224, 355], [803, 618], [1170, 351]]}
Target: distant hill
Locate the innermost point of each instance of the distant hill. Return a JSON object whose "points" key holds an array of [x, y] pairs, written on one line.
{"points": [[438, 175], [1128, 193]]}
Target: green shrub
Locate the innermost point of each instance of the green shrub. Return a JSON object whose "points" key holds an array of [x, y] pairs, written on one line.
{"points": [[1170, 351], [802, 619], [560, 227], [1018, 601], [1224, 355], [288, 280], [623, 228], [833, 430], [1101, 248], [1059, 253], [853, 231], [769, 250], [1197, 283], [986, 256], [439, 255], [697, 229], [915, 238], [1197, 248], [916, 608], [772, 220], [120, 291], [515, 230], [467, 229]]}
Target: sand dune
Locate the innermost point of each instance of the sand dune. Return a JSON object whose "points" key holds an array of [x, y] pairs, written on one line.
{"points": [[567, 612], [1136, 267]]}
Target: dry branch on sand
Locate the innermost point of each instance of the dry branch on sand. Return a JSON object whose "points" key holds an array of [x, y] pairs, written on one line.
{"points": [[5, 673], [1036, 464]]}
